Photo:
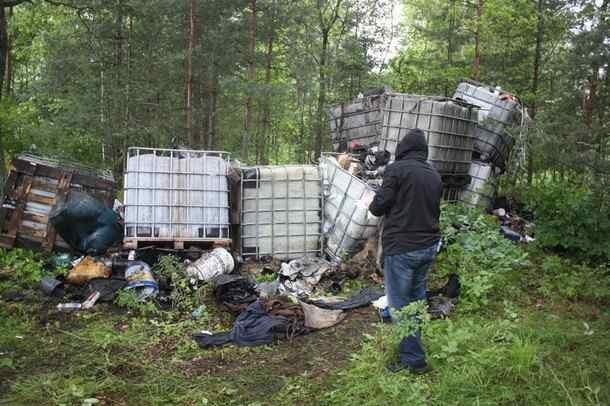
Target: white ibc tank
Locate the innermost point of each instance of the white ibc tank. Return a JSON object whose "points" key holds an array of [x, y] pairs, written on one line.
{"points": [[281, 211], [176, 195], [347, 220]]}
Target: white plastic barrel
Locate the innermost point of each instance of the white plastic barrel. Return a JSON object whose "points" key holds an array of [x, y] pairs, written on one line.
{"points": [[217, 262]]}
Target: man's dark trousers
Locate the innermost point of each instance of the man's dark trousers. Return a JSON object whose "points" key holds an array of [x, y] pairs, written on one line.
{"points": [[405, 277]]}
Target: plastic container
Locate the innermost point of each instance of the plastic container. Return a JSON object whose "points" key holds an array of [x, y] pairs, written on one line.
{"points": [[140, 277], [176, 195], [348, 224], [281, 211], [216, 262], [499, 113], [357, 121], [449, 126], [493, 103], [482, 188]]}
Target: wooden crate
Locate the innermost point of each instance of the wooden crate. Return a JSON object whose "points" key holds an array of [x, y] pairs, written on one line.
{"points": [[32, 188]]}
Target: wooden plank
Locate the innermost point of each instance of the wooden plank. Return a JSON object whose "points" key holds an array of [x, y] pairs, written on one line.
{"points": [[33, 233], [47, 201], [62, 191], [56, 173], [15, 220]]}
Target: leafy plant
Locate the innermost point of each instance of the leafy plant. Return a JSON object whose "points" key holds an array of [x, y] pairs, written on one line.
{"points": [[570, 219], [129, 299], [477, 252], [185, 296], [22, 268]]}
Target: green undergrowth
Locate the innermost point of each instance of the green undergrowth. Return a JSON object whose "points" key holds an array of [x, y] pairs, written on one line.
{"points": [[530, 328]]}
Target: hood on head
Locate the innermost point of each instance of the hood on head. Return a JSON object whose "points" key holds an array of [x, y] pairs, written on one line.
{"points": [[413, 145]]}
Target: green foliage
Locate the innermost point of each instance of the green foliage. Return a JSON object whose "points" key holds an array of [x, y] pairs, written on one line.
{"points": [[185, 296], [566, 279], [129, 299], [22, 268], [477, 252], [570, 219]]}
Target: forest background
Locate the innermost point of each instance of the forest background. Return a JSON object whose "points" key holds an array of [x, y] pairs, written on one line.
{"points": [[84, 80]]}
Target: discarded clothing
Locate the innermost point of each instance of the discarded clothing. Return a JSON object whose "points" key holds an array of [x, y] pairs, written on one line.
{"points": [[363, 298], [234, 291], [254, 326], [317, 318], [85, 223]]}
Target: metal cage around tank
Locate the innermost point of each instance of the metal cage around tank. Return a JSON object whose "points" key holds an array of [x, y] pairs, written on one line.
{"points": [[348, 224], [176, 195], [281, 212], [449, 126]]}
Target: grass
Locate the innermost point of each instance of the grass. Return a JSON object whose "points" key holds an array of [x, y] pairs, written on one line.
{"points": [[531, 332]]}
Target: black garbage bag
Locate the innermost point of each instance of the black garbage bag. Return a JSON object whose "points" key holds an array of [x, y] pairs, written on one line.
{"points": [[85, 223]]}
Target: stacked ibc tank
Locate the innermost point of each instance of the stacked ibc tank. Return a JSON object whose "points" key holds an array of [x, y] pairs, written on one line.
{"points": [[501, 115], [383, 118]]}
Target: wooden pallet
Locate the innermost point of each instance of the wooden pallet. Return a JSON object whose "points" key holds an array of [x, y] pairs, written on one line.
{"points": [[179, 245], [40, 182]]}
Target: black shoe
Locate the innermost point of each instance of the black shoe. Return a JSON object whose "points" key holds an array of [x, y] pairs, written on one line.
{"points": [[397, 367]]}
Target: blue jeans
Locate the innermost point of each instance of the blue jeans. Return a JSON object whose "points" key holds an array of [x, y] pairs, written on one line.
{"points": [[405, 277]]}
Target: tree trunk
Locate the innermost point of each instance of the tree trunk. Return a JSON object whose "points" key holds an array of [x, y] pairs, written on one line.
{"points": [[320, 122], [266, 116], [535, 80], [251, 79], [477, 41], [3, 46], [189, 74], [211, 111]]}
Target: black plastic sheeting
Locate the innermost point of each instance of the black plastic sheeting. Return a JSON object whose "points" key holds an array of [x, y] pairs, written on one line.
{"points": [[86, 224]]}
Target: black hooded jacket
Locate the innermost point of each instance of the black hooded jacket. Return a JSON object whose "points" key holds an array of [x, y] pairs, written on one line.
{"points": [[409, 198]]}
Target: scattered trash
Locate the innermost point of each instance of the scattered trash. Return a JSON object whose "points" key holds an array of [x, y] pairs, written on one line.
{"points": [[68, 307], [441, 302], [87, 269], [267, 289], [363, 298], [62, 260], [91, 300], [52, 286], [254, 326], [300, 276], [85, 223], [216, 262], [140, 278], [107, 288], [317, 318], [198, 312], [234, 291], [514, 227]]}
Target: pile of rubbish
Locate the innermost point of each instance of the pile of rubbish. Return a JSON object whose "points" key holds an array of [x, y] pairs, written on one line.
{"points": [[304, 230]]}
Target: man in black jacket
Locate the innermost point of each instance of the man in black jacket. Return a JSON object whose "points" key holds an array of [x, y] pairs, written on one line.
{"points": [[410, 201]]}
